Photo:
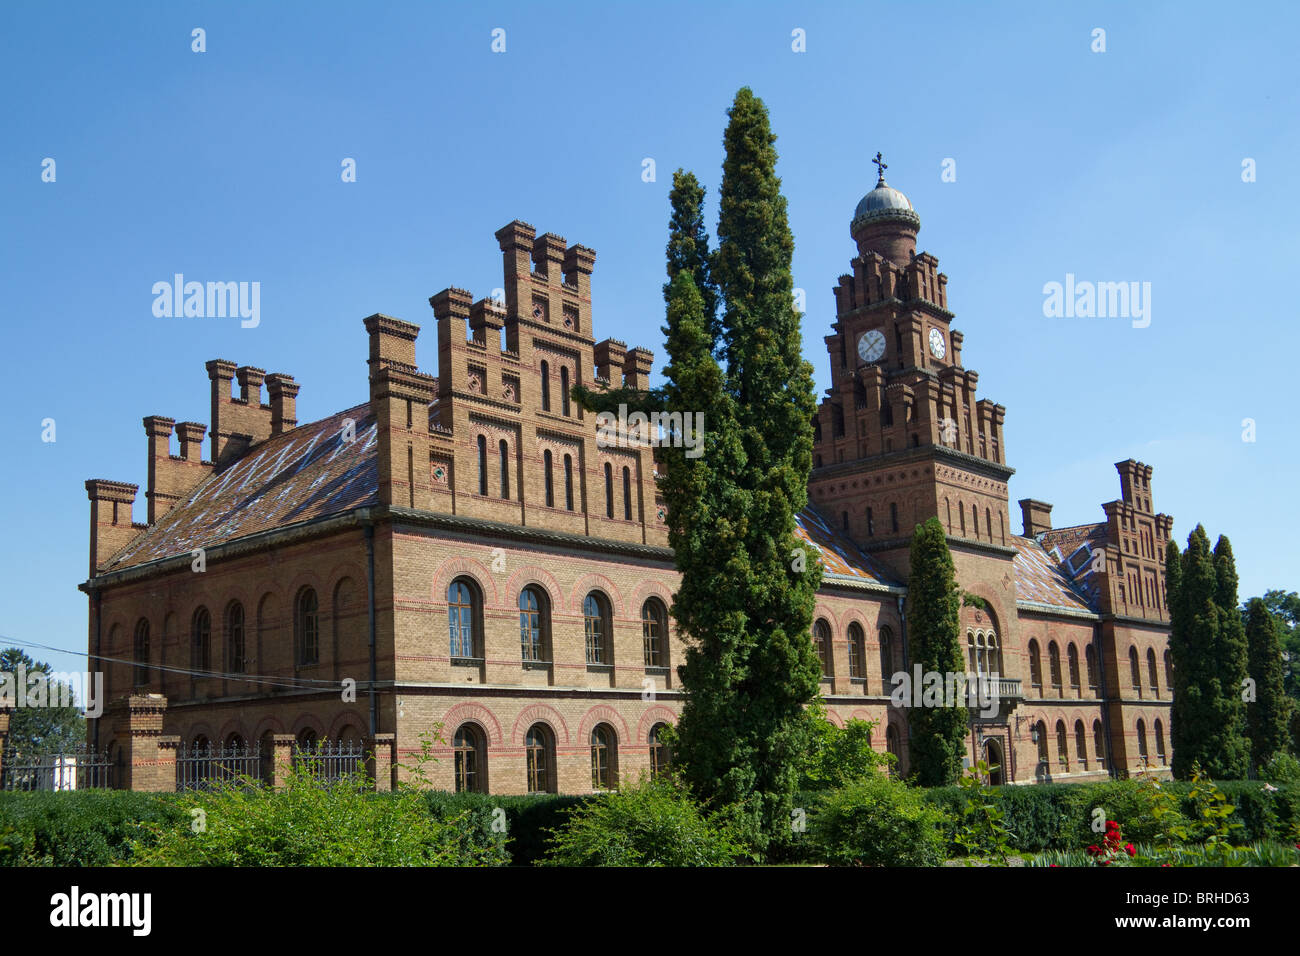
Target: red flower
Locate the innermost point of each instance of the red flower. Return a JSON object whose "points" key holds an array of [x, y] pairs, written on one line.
{"points": [[1128, 848]]}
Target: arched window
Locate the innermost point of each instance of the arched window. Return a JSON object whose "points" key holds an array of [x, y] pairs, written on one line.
{"points": [[1160, 742], [1152, 676], [1035, 666], [564, 390], [654, 633], [659, 756], [1099, 744], [857, 651], [463, 619], [894, 746], [306, 627], [534, 625], [1169, 671], [1054, 665], [546, 385], [994, 652], [307, 739], [886, 659], [972, 656], [1072, 661], [627, 493], [1135, 672], [596, 620], [1080, 744], [893, 516], [482, 465], [604, 758], [609, 490], [505, 468], [470, 759], [548, 478], [1062, 754], [1142, 739], [201, 644], [822, 641], [871, 523], [1090, 661], [140, 653], [568, 482], [539, 754], [1040, 731], [988, 523], [237, 646]]}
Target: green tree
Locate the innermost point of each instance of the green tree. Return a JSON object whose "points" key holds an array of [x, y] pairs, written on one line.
{"points": [[42, 728], [1268, 717], [1285, 608], [937, 733], [1230, 656], [688, 248]]}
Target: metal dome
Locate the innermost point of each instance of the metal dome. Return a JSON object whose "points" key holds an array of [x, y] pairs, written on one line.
{"points": [[885, 202]]}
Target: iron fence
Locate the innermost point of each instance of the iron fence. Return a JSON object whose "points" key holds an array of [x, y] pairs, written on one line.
{"points": [[331, 761], [75, 768], [205, 767]]}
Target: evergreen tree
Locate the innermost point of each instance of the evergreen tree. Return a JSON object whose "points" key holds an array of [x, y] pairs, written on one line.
{"points": [[771, 578], [42, 728], [1268, 717], [688, 248], [937, 733], [1230, 656], [1179, 659]]}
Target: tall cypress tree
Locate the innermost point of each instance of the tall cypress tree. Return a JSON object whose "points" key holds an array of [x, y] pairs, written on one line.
{"points": [[1268, 717], [937, 733], [688, 249], [1179, 714], [1230, 657], [759, 692], [1192, 641]]}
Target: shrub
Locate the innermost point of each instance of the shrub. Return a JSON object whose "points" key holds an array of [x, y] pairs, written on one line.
{"points": [[653, 823], [879, 821], [78, 827], [1283, 768]]}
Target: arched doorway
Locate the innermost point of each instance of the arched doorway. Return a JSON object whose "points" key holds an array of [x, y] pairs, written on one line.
{"points": [[997, 766]]}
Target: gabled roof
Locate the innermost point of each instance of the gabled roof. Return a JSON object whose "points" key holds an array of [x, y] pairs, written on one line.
{"points": [[841, 557], [309, 472], [1040, 579]]}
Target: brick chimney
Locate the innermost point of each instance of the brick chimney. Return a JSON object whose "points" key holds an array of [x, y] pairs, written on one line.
{"points": [[611, 355], [1037, 516], [111, 528], [399, 398], [171, 478], [283, 392], [636, 369], [237, 423]]}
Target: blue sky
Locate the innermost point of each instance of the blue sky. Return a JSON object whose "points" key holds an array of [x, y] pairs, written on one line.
{"points": [[225, 165]]}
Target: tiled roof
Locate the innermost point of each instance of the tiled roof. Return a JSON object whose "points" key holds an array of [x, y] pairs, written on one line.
{"points": [[1041, 580], [840, 556], [309, 472]]}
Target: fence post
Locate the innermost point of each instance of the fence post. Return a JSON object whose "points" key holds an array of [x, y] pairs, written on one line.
{"points": [[383, 748], [4, 735], [168, 745], [137, 726], [281, 758]]}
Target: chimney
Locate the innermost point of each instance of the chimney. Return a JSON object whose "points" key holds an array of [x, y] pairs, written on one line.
{"points": [[399, 399], [283, 392], [611, 355], [636, 368], [237, 423], [159, 433], [171, 478], [191, 436], [1037, 516], [111, 528]]}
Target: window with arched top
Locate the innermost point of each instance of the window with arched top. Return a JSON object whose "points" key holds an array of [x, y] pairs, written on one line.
{"points": [[1080, 745], [609, 490], [893, 516], [1072, 662], [140, 653], [1142, 739], [894, 746], [464, 616], [1062, 754], [539, 759], [604, 757], [201, 641], [1035, 666], [886, 637], [546, 385], [1169, 671], [236, 644], [659, 755], [1090, 662], [1099, 744], [1040, 732], [654, 632], [857, 652], [534, 624], [306, 626], [822, 642], [564, 390], [470, 759], [1160, 741], [1135, 672], [548, 478], [596, 625], [1152, 675], [568, 482], [627, 493], [504, 447], [1054, 665]]}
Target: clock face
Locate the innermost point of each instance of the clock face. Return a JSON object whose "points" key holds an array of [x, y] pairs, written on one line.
{"points": [[937, 348], [871, 346]]}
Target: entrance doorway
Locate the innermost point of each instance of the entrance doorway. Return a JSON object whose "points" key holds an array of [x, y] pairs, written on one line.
{"points": [[993, 757]]}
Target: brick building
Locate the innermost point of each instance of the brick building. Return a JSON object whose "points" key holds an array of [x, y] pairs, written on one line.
{"points": [[461, 552]]}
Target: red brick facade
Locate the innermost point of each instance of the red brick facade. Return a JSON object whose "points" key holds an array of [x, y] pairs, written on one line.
{"points": [[370, 574]]}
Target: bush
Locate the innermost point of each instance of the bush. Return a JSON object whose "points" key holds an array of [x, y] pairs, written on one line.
{"points": [[1283, 768], [879, 821], [653, 823], [78, 827], [527, 820]]}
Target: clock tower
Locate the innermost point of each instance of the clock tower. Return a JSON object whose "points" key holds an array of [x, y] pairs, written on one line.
{"points": [[900, 436]]}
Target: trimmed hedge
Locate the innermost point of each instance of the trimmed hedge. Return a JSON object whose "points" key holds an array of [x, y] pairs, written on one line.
{"points": [[527, 819], [78, 828]]}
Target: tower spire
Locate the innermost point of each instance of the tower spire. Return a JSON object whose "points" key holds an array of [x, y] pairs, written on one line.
{"points": [[881, 166]]}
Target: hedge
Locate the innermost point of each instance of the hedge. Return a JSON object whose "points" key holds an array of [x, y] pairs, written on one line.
{"points": [[78, 828]]}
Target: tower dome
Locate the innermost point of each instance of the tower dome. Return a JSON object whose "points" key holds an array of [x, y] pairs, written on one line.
{"points": [[885, 222]]}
